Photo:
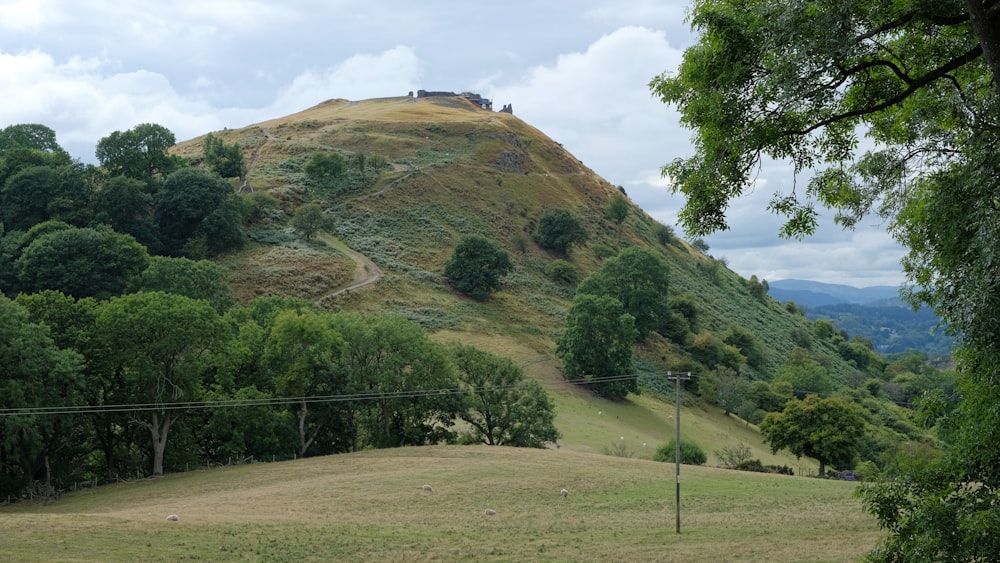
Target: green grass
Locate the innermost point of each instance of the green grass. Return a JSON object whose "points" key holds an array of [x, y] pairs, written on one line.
{"points": [[369, 506]]}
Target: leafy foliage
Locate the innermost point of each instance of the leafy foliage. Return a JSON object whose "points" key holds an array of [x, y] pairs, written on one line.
{"points": [[617, 209], [160, 343], [28, 136], [139, 153], [197, 279], [308, 219], [325, 167], [195, 209], [477, 266], [504, 407], [691, 453], [825, 429], [561, 271], [639, 280], [81, 262], [225, 160], [558, 230], [34, 373], [596, 346]]}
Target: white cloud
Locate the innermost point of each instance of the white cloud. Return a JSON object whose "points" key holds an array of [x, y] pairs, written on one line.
{"points": [[84, 100], [25, 15], [390, 73]]}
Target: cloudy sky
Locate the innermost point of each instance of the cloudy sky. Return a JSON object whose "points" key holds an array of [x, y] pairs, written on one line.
{"points": [[576, 69]]}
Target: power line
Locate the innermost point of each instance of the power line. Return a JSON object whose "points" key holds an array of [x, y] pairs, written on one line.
{"points": [[276, 401]]}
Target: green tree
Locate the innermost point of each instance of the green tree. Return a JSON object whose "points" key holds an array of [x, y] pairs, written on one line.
{"points": [[301, 352], [746, 342], [225, 160], [124, 204], [827, 430], [410, 377], [805, 375], [140, 152], [505, 408], [799, 82], [617, 209], [38, 193], [197, 213], [325, 167], [710, 350], [596, 346], [309, 220], [725, 388], [639, 280], [477, 266], [197, 279], [162, 346], [81, 262], [29, 136], [558, 230], [35, 373], [251, 429]]}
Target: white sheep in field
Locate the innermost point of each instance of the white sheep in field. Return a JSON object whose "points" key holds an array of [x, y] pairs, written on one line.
{"points": [[564, 493], [490, 512], [428, 489], [173, 518]]}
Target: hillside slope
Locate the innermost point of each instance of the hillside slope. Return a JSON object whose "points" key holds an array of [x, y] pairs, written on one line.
{"points": [[451, 170]]}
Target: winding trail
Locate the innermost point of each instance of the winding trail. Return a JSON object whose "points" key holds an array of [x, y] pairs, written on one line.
{"points": [[365, 271]]}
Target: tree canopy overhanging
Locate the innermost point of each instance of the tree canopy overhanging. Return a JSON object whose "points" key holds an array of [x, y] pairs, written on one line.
{"points": [[800, 81]]}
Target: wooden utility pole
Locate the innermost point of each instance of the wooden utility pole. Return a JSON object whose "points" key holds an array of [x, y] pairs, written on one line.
{"points": [[677, 443]]}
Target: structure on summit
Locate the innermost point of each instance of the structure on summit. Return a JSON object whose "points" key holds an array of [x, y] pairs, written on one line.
{"points": [[476, 99]]}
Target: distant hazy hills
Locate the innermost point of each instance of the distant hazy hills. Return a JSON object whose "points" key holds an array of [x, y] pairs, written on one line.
{"points": [[816, 294], [876, 313]]}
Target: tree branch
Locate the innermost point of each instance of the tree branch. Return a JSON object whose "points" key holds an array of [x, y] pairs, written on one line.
{"points": [[913, 85], [885, 27]]}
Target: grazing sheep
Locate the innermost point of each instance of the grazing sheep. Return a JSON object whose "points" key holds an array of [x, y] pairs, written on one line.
{"points": [[490, 512], [428, 489], [564, 493], [173, 518]]}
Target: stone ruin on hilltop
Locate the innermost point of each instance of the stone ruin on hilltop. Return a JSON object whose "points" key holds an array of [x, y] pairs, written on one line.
{"points": [[476, 99]]}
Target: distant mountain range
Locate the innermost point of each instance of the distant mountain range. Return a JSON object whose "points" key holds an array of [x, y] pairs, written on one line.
{"points": [[876, 313], [816, 294]]}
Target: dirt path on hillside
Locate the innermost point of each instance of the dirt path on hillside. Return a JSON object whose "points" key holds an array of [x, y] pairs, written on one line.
{"points": [[365, 271]]}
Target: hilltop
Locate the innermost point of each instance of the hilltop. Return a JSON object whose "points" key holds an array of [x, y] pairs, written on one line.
{"points": [[447, 168]]}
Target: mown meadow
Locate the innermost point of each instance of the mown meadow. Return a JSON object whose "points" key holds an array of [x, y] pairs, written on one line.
{"points": [[370, 506]]}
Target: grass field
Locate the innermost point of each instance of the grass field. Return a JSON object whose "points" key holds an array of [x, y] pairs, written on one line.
{"points": [[369, 506]]}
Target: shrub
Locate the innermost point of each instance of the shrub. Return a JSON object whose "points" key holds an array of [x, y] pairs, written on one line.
{"points": [[735, 455], [691, 453], [558, 230], [561, 271], [664, 234], [477, 266], [751, 465], [324, 167], [603, 251]]}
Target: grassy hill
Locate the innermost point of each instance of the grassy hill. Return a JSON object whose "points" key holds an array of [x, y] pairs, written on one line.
{"points": [[369, 506], [452, 169]]}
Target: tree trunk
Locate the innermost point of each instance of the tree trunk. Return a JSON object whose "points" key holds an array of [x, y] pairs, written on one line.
{"points": [[158, 432], [304, 442], [985, 18], [822, 469]]}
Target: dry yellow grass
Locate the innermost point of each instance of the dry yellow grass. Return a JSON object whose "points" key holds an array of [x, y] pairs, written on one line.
{"points": [[370, 506]]}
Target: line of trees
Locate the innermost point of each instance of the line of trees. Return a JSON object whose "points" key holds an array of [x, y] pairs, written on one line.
{"points": [[149, 382]]}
